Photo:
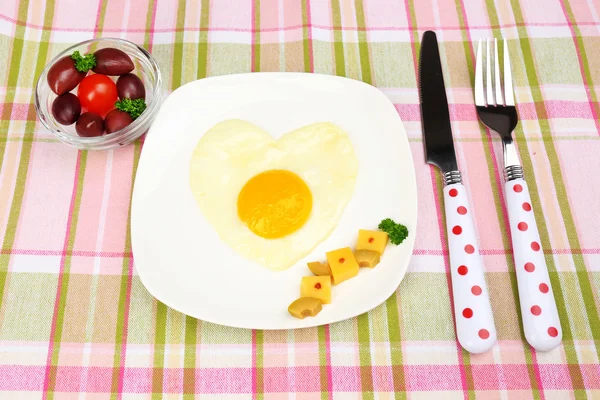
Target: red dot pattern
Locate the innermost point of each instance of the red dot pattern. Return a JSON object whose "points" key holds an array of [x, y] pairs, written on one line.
{"points": [[464, 270], [529, 267]]}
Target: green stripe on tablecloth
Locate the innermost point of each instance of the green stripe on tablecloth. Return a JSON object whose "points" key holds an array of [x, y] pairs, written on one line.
{"points": [[203, 40], [363, 44], [189, 357], [585, 287], [323, 370], [395, 343], [160, 331], [126, 283], [63, 289], [13, 79], [338, 43], [364, 321], [306, 40], [259, 339], [256, 36], [149, 32], [178, 45]]}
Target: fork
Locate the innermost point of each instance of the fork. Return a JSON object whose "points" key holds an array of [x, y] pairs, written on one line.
{"points": [[498, 112]]}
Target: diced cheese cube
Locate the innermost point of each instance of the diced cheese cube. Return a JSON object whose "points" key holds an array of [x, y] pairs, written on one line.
{"points": [[318, 287], [343, 264], [372, 240]]}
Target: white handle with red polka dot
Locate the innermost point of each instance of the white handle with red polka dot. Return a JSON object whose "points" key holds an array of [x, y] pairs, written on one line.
{"points": [[538, 307], [475, 328]]}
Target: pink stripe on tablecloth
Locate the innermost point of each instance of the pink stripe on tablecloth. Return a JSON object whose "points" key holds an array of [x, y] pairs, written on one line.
{"points": [[345, 378], [76, 253], [208, 380], [21, 377], [434, 377], [527, 111], [486, 377], [305, 379], [591, 375], [328, 361], [293, 27], [254, 373], [556, 376], [60, 277], [152, 25]]}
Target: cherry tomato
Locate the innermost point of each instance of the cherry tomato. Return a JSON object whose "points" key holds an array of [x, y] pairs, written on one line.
{"points": [[98, 94]]}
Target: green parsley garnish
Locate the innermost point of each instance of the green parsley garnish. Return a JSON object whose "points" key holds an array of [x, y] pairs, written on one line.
{"points": [[134, 108], [396, 232], [83, 63]]}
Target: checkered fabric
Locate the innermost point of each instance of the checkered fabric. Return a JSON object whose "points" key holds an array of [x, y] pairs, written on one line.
{"points": [[75, 321]]}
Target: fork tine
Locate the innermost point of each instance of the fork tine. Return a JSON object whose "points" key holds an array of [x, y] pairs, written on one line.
{"points": [[508, 82], [479, 93], [488, 76], [497, 84]]}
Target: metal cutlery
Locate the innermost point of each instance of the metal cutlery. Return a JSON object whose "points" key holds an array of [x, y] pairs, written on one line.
{"points": [[496, 109], [475, 328]]}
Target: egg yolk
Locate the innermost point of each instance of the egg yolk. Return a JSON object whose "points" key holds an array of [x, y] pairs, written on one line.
{"points": [[274, 203]]}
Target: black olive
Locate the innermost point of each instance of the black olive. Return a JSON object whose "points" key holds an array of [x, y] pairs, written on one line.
{"points": [[90, 124], [129, 86], [66, 108]]}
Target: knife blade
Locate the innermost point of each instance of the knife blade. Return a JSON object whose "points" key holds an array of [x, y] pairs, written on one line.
{"points": [[473, 317], [434, 107]]}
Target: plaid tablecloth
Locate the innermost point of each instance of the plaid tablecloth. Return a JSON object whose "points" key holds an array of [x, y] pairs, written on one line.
{"points": [[74, 317]]}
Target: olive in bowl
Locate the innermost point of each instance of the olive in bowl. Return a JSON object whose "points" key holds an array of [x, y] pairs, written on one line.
{"points": [[90, 124], [130, 86], [66, 108], [116, 120]]}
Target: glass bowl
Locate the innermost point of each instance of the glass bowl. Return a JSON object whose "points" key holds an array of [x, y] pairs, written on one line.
{"points": [[146, 69]]}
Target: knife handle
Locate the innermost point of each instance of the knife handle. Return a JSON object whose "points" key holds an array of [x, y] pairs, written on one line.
{"points": [[475, 328], [538, 307]]}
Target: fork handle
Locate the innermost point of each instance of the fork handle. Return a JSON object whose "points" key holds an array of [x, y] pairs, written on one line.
{"points": [[538, 307], [475, 328]]}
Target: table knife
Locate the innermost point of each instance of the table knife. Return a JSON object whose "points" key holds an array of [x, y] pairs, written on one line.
{"points": [[475, 328]]}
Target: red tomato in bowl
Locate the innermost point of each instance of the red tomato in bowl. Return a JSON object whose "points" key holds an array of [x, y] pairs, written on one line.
{"points": [[98, 94]]}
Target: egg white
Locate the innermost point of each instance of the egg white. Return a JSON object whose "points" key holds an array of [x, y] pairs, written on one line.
{"points": [[234, 151]]}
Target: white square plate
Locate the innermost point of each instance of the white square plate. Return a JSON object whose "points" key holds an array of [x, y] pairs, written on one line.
{"points": [[179, 256]]}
